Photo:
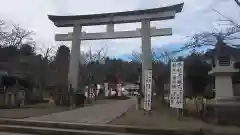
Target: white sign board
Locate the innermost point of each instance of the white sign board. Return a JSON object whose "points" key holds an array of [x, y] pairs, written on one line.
{"points": [[176, 85], [148, 90]]}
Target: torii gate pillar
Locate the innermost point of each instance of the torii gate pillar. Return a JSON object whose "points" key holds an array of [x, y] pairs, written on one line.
{"points": [[74, 57], [146, 49]]}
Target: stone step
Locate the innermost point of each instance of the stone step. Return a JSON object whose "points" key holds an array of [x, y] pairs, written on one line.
{"points": [[8, 133], [52, 131], [94, 127]]}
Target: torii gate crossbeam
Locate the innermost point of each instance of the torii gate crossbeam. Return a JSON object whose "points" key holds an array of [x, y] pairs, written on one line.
{"points": [[114, 35]]}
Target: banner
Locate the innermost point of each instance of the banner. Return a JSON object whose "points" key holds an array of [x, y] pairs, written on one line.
{"points": [[147, 90], [176, 85]]}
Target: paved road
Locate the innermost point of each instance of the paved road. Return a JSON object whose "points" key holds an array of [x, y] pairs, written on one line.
{"points": [[97, 114]]}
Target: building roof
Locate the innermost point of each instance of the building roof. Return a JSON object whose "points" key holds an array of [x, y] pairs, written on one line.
{"points": [[54, 18]]}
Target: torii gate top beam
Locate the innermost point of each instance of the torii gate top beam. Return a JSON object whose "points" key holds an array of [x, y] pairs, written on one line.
{"points": [[162, 13]]}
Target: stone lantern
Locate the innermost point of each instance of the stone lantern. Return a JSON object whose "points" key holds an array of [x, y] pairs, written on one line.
{"points": [[222, 69], [225, 105]]}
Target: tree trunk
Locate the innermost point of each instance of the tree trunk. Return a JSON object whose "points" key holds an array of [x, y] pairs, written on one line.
{"points": [[196, 104], [88, 94], [159, 89], [162, 97]]}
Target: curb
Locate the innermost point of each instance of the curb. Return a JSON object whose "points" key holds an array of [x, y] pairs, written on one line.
{"points": [[94, 127]]}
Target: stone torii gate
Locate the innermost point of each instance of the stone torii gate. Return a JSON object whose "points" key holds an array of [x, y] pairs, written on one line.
{"points": [[109, 19]]}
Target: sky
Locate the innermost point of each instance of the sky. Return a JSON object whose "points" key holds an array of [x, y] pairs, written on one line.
{"points": [[197, 16]]}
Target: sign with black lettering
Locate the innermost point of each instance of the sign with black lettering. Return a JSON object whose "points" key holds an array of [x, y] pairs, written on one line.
{"points": [[176, 85], [148, 90]]}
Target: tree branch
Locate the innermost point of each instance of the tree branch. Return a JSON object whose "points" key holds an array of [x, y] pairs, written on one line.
{"points": [[238, 2]]}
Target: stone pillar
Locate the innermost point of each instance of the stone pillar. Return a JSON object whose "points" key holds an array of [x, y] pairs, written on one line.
{"points": [[106, 89], [13, 99], [23, 97], [110, 28], [9, 98], [119, 89], [146, 55], [223, 86], [74, 57]]}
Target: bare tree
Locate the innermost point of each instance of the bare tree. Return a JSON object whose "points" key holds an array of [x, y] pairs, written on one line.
{"points": [[86, 59], [2, 24], [2, 32], [161, 57], [136, 56], [238, 2], [159, 67], [16, 37], [164, 57], [209, 39], [48, 52], [98, 56]]}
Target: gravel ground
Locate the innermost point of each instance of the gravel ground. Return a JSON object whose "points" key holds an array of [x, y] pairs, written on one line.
{"points": [[38, 110], [100, 113], [165, 118], [31, 111]]}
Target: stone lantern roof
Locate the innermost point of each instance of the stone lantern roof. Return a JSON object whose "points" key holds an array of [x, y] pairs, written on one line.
{"points": [[223, 50]]}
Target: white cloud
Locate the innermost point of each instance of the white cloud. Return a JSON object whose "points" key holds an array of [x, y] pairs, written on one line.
{"points": [[197, 16]]}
